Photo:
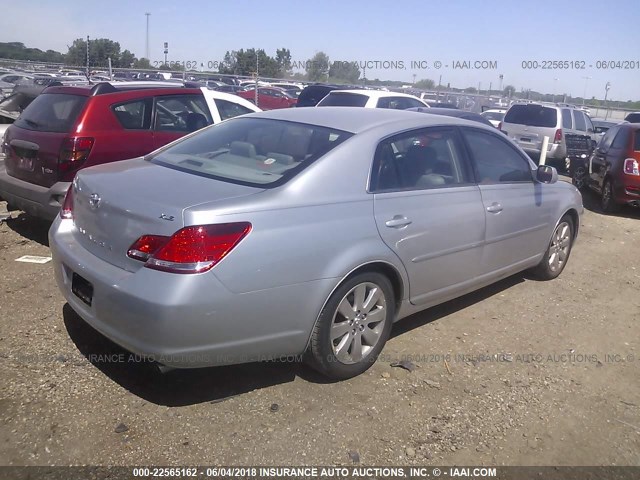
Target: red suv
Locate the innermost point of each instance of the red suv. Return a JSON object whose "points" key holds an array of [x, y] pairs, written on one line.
{"points": [[68, 128], [614, 170]]}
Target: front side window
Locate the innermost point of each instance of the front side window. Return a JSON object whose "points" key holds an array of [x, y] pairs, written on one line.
{"points": [[495, 160], [181, 113], [251, 151], [421, 159]]}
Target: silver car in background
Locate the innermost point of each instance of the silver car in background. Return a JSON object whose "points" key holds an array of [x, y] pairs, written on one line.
{"points": [[303, 231], [528, 123]]}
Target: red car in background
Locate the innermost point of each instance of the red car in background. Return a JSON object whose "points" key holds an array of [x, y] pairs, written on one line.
{"points": [[270, 98], [614, 169]]}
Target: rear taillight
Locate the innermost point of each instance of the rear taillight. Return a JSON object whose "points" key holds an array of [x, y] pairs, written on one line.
{"points": [[66, 211], [74, 152], [631, 166], [558, 136], [190, 250], [146, 246]]}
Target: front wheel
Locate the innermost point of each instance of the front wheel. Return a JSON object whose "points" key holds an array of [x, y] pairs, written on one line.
{"points": [[557, 254], [353, 326]]}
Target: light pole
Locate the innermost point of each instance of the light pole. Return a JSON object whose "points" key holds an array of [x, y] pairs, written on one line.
{"points": [[606, 93], [147, 46], [501, 77], [555, 83], [586, 81]]}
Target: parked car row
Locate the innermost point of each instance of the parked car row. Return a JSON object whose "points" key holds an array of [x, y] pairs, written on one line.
{"points": [[68, 128]]}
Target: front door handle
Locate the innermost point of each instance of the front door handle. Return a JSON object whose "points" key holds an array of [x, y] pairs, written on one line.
{"points": [[495, 207], [398, 222]]}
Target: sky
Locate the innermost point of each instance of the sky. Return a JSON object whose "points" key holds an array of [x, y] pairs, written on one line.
{"points": [[392, 33]]}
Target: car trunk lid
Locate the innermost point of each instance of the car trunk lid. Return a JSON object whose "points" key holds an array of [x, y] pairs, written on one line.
{"points": [[116, 204]]}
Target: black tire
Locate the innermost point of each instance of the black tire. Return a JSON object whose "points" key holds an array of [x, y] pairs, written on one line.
{"points": [[341, 361], [558, 251], [579, 175], [607, 202]]}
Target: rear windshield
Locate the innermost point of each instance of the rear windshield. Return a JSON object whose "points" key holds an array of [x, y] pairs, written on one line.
{"points": [[251, 151], [493, 115], [344, 100], [633, 118], [532, 115], [310, 96], [51, 112]]}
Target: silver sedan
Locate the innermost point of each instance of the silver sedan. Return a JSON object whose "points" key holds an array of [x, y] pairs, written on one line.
{"points": [[303, 232]]}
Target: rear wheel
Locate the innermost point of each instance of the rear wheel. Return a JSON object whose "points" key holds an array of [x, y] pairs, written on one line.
{"points": [[353, 326], [557, 254], [607, 201]]}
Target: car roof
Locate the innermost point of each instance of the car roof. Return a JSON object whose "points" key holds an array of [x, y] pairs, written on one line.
{"points": [[102, 88], [372, 93], [453, 112], [358, 119]]}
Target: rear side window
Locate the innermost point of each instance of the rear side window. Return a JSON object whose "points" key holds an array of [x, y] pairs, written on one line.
{"points": [[135, 115], [633, 118], [344, 100], [230, 109], [496, 161], [621, 139], [607, 140], [181, 113], [566, 119], [636, 141], [52, 112], [532, 115], [581, 125]]}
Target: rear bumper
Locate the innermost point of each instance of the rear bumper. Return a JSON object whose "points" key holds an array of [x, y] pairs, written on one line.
{"points": [[38, 201], [185, 321], [554, 150], [627, 193]]}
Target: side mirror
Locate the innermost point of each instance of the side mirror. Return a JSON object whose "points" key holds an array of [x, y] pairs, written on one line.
{"points": [[546, 174]]}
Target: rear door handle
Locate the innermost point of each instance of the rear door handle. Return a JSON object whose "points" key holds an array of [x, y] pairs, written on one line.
{"points": [[495, 207], [398, 222]]}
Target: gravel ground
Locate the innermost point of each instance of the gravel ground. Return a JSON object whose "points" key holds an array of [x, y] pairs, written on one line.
{"points": [[537, 373]]}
